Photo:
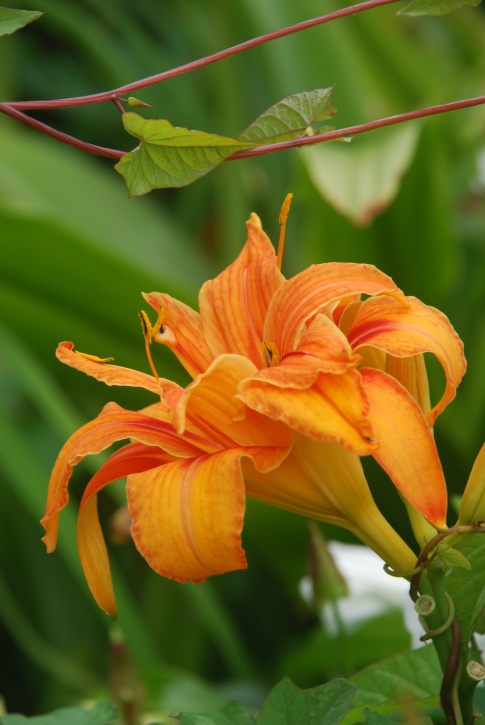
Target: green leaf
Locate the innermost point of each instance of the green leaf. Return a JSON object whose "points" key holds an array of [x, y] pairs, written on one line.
{"points": [[323, 705], [362, 178], [467, 587], [12, 20], [415, 674], [101, 714], [232, 714], [291, 117], [452, 557], [435, 7], [375, 718], [169, 156]]}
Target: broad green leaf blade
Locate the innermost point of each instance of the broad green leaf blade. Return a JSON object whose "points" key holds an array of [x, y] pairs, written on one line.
{"points": [[467, 587], [435, 7], [416, 672], [232, 714], [362, 178], [169, 156], [374, 718], [12, 20], [323, 705], [101, 714], [291, 117], [415, 675]]}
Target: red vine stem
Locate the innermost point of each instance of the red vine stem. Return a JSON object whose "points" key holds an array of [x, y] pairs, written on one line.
{"points": [[360, 128], [202, 62], [89, 148], [259, 150]]}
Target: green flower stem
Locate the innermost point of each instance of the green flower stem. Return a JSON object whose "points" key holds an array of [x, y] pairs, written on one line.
{"points": [[446, 640]]}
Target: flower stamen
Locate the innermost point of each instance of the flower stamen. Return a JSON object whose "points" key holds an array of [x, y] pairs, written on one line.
{"points": [[285, 210], [270, 354], [149, 332], [94, 358]]}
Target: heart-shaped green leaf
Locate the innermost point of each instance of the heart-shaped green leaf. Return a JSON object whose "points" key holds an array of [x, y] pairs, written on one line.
{"points": [[169, 156], [291, 117], [12, 20], [323, 705], [232, 714]]}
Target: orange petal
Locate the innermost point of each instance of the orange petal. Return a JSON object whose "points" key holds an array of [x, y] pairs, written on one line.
{"points": [[325, 482], [210, 406], [406, 450], [233, 305], [323, 348], [109, 374], [182, 333], [472, 506], [209, 400], [113, 424], [306, 294], [333, 409], [188, 515], [405, 330], [91, 545]]}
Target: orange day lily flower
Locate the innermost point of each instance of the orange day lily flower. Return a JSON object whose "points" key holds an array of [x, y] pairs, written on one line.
{"points": [[292, 382]]}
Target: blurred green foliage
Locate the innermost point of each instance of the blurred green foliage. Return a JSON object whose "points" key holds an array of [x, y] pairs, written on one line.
{"points": [[76, 253]]}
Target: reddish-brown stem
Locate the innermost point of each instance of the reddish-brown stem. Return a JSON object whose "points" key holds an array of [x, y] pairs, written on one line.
{"points": [[59, 135], [259, 150], [201, 63], [360, 128]]}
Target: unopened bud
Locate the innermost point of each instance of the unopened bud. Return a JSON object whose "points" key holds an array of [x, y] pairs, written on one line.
{"points": [[472, 507]]}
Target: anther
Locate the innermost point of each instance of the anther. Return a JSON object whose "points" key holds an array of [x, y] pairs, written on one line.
{"points": [[159, 324], [285, 210], [94, 358], [148, 332], [270, 354]]}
